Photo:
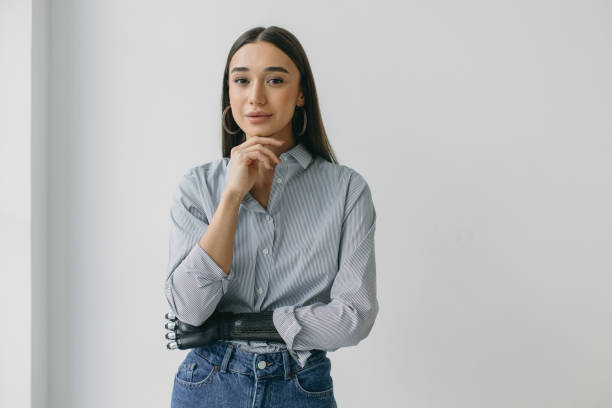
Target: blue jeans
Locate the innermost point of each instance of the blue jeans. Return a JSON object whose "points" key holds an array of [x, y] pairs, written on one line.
{"points": [[223, 375]]}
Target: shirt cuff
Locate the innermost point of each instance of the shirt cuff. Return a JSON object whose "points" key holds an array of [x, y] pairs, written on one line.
{"points": [[286, 324], [204, 268]]}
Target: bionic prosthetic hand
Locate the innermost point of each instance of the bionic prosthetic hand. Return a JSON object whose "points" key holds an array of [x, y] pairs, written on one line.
{"points": [[221, 326]]}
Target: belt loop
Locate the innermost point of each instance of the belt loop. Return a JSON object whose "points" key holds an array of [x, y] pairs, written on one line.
{"points": [[228, 353], [286, 364]]}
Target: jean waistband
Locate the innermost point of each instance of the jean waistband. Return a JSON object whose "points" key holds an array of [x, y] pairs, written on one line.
{"points": [[228, 357]]}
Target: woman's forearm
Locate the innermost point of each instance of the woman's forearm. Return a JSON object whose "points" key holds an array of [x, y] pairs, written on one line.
{"points": [[218, 240]]}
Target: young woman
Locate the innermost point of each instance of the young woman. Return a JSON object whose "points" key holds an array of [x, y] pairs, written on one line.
{"points": [[277, 228]]}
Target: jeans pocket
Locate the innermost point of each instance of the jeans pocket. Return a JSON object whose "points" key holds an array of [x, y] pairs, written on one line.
{"points": [[195, 371], [315, 380]]}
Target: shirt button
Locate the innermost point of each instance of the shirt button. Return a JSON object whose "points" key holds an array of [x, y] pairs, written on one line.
{"points": [[261, 365], [268, 218], [265, 251], [279, 180], [260, 291]]}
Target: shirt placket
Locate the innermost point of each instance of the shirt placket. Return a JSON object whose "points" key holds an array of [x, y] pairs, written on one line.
{"points": [[266, 249]]}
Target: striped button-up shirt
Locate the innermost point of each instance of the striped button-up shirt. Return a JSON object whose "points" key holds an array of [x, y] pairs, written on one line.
{"points": [[308, 256]]}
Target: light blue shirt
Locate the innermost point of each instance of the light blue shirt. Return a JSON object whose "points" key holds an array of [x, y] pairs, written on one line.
{"points": [[309, 256]]}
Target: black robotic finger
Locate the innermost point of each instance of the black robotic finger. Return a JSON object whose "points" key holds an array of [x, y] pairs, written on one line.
{"points": [[171, 325]]}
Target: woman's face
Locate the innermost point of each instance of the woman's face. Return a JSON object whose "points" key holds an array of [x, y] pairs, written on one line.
{"points": [[263, 78]]}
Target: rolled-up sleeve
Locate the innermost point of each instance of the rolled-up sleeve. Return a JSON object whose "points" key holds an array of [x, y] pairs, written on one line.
{"points": [[349, 317], [194, 282]]}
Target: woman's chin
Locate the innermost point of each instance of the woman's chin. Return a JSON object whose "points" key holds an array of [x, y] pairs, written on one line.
{"points": [[260, 134]]}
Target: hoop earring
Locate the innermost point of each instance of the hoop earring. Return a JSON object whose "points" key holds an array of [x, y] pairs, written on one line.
{"points": [[305, 121], [228, 107]]}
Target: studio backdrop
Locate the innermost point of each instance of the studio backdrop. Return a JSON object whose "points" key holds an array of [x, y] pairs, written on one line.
{"points": [[482, 128]]}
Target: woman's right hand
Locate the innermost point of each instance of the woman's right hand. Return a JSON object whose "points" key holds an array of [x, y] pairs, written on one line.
{"points": [[245, 160]]}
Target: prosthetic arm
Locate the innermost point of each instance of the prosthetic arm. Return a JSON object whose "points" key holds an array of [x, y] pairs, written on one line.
{"points": [[221, 326]]}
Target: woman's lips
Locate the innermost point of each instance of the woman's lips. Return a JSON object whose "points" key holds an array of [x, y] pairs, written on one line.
{"points": [[258, 119]]}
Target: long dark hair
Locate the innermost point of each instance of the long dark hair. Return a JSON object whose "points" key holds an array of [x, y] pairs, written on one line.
{"points": [[314, 138]]}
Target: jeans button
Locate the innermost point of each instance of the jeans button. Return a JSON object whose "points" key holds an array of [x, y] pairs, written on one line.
{"points": [[261, 365]]}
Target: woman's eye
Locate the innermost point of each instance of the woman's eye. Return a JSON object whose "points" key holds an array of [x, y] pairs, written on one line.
{"points": [[238, 79], [277, 79]]}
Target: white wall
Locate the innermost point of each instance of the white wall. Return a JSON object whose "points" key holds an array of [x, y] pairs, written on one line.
{"points": [[40, 233], [487, 148], [15, 202]]}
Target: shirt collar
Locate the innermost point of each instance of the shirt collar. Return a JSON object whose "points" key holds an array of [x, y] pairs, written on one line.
{"points": [[300, 153]]}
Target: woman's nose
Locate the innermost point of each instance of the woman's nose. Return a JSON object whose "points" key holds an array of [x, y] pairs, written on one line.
{"points": [[257, 93]]}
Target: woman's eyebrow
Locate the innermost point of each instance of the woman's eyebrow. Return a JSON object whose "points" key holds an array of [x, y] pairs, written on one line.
{"points": [[269, 69]]}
